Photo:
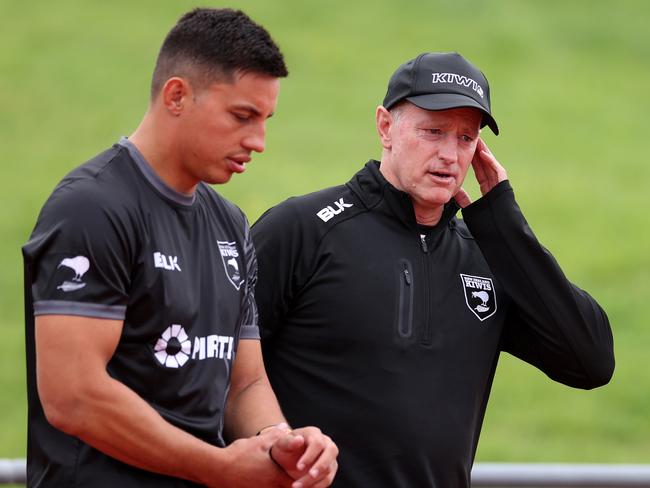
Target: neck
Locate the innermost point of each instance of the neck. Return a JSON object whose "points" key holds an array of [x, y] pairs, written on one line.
{"points": [[427, 216], [161, 153], [424, 214]]}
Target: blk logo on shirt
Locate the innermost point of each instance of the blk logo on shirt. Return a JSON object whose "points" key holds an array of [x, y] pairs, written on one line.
{"points": [[330, 212], [480, 296], [169, 263]]}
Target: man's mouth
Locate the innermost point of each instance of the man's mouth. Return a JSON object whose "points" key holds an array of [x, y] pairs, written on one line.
{"points": [[243, 159], [442, 176], [237, 163]]}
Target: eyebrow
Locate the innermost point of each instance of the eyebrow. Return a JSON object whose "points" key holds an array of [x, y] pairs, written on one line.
{"points": [[252, 110]]}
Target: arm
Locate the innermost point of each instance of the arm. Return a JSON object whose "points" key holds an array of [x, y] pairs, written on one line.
{"points": [[306, 454], [249, 390], [554, 325], [81, 399]]}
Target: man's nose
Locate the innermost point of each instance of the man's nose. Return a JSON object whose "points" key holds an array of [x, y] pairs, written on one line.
{"points": [[448, 149], [255, 140]]}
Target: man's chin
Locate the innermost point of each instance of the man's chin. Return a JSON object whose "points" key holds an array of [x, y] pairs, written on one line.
{"points": [[439, 198], [218, 179]]}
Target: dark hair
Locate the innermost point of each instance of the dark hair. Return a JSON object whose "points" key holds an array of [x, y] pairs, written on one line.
{"points": [[210, 45]]}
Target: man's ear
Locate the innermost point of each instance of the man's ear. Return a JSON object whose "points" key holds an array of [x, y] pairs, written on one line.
{"points": [[385, 122], [174, 94]]}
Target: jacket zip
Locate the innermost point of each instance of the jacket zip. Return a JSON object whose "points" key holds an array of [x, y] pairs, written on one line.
{"points": [[405, 319], [426, 333]]}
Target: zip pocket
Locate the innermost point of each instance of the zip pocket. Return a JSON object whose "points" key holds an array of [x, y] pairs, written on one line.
{"points": [[405, 305]]}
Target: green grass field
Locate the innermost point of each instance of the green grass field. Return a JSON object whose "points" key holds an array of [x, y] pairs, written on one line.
{"points": [[569, 89]]}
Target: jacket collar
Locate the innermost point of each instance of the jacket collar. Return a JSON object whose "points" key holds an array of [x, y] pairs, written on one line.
{"points": [[375, 192]]}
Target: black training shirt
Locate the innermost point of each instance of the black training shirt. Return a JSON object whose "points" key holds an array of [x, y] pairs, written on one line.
{"points": [[114, 242]]}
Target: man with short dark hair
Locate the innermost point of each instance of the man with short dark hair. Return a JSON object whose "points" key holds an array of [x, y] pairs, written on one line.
{"points": [[383, 316], [143, 356]]}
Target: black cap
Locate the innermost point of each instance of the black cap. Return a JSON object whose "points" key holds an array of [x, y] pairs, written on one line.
{"points": [[439, 81]]}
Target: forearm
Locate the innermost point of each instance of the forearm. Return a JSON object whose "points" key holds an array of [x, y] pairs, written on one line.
{"points": [[571, 333], [306, 454], [81, 399], [115, 420], [251, 409]]}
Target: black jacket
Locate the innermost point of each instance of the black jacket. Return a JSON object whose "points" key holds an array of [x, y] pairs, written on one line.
{"points": [[388, 341]]}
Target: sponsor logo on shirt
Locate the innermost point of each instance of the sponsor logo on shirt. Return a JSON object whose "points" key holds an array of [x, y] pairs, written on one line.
{"points": [[79, 265], [231, 262], [330, 212], [480, 296], [174, 347], [165, 262]]}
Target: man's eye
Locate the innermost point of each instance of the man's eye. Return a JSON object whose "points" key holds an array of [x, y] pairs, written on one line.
{"points": [[434, 131], [241, 117], [466, 138]]}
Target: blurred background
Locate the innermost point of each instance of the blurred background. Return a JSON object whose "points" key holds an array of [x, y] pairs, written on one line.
{"points": [[569, 84]]}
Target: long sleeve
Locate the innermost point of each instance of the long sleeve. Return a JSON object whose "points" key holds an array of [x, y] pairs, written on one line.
{"points": [[280, 250], [553, 324]]}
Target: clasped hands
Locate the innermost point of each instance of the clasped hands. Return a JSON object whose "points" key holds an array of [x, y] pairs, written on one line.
{"points": [[306, 455]]}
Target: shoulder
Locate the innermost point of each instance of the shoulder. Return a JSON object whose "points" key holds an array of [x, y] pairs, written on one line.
{"points": [[293, 231], [320, 210], [112, 164], [93, 200], [221, 206], [99, 185]]}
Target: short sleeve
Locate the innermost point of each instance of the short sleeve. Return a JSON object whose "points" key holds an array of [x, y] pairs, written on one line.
{"points": [[249, 323], [80, 255]]}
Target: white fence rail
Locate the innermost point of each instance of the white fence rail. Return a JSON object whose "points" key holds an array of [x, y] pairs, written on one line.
{"points": [[502, 475], [560, 475], [12, 471]]}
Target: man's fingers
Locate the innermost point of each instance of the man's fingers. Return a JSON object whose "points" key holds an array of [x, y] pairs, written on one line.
{"points": [[271, 437], [494, 165], [327, 481], [324, 478], [307, 455], [285, 453], [490, 167], [289, 443], [316, 445], [462, 198], [487, 169], [319, 456], [479, 171], [489, 177]]}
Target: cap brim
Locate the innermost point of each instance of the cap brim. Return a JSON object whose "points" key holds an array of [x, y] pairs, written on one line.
{"points": [[445, 101]]}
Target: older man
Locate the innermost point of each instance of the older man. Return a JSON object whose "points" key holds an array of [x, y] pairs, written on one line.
{"points": [[383, 315]]}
